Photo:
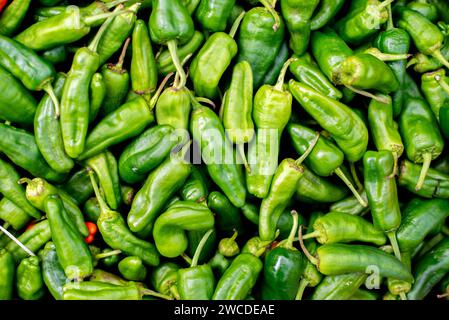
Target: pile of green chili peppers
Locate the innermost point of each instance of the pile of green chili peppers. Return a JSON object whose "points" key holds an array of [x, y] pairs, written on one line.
{"points": [[224, 149]]}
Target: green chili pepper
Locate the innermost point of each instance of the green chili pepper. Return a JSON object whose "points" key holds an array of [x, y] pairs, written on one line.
{"points": [[13, 191], [350, 205], [212, 15], [116, 234], [431, 86], [52, 272], [273, 74], [171, 24], [251, 212], [164, 62], [38, 190], [260, 39], [33, 239], [429, 270], [238, 280], [315, 189], [190, 5], [106, 169], [196, 282], [219, 264], [228, 216], [78, 186], [7, 271], [215, 56], [13, 214], [425, 8], [195, 188], [271, 113], [169, 228], [97, 93], [422, 138], [339, 287], [384, 129], [326, 10], [164, 279], [346, 127], [417, 25], [306, 70], [343, 227], [73, 253], [208, 132], [132, 268], [422, 63], [108, 257], [75, 102], [325, 158], [67, 27], [47, 131], [282, 189], [364, 295], [11, 18], [21, 148], [228, 247], [297, 15], [29, 283], [283, 268], [16, 103], [159, 187], [381, 192], [329, 51]]}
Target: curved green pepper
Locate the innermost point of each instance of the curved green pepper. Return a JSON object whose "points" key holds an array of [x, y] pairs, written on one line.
{"points": [[78, 186], [7, 271], [326, 10], [426, 8], [11, 18], [164, 279], [431, 87], [52, 271], [227, 215], [338, 287], [97, 93], [29, 283], [132, 268], [212, 15]]}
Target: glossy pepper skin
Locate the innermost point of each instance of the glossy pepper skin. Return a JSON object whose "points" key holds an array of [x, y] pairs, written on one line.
{"points": [[345, 127], [11, 18], [273, 74], [212, 15], [260, 39], [21, 148], [38, 190], [159, 187], [238, 280], [16, 103], [13, 214], [208, 131], [52, 271], [227, 215], [422, 138], [116, 234], [381, 192], [78, 186], [164, 279], [426, 8], [29, 283], [326, 10], [169, 228], [47, 131], [7, 272], [132, 268], [271, 112], [282, 269], [429, 270], [33, 239], [143, 65], [73, 253], [106, 168], [306, 70], [97, 93], [338, 287], [297, 15], [13, 191], [433, 91]]}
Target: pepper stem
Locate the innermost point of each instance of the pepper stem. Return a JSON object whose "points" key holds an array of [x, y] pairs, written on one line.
{"points": [[443, 295], [385, 4], [394, 244], [112, 4], [119, 64], [241, 152], [348, 183], [443, 84], [312, 234], [439, 56], [387, 56], [20, 244], [281, 77], [96, 40], [270, 8], [395, 165], [103, 206], [24, 180], [311, 258], [200, 247], [309, 150], [208, 101], [93, 19], [390, 24], [176, 84], [291, 237], [236, 24], [173, 49], [367, 94], [302, 286], [186, 258], [355, 176], [148, 292], [427, 157], [411, 62], [158, 92], [107, 254], [48, 88]]}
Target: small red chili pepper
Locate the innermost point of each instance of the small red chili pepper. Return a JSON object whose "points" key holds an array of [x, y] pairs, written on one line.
{"points": [[32, 223], [92, 227], [2, 4]]}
